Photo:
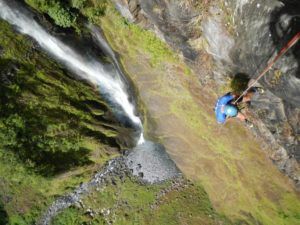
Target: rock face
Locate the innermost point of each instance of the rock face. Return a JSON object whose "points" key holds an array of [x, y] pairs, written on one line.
{"points": [[150, 162], [261, 30], [241, 36], [167, 18]]}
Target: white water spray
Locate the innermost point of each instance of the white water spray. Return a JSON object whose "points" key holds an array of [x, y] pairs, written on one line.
{"points": [[108, 50], [88, 69]]}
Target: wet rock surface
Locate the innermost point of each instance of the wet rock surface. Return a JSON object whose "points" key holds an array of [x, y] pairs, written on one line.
{"points": [[151, 163], [8, 71], [169, 20]]}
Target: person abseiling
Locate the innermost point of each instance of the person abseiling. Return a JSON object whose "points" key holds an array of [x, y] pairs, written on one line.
{"points": [[225, 107]]}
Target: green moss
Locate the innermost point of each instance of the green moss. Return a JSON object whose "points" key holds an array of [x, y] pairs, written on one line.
{"points": [[137, 38], [78, 4], [239, 83], [128, 202], [226, 159], [47, 104], [70, 216], [45, 145], [24, 190]]}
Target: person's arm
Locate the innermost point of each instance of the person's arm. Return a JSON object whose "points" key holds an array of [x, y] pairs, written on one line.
{"points": [[235, 97], [227, 98]]}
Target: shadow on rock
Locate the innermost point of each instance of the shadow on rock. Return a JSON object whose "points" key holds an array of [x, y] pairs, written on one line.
{"points": [[151, 163], [239, 82], [173, 21], [3, 215], [284, 25], [25, 126]]}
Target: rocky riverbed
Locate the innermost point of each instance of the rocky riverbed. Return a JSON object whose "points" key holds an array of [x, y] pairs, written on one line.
{"points": [[148, 162]]}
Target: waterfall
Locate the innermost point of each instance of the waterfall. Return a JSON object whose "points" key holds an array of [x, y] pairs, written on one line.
{"points": [[110, 84], [101, 41]]}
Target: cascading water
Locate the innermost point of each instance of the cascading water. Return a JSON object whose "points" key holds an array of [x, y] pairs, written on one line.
{"points": [[148, 160], [101, 41], [111, 84]]}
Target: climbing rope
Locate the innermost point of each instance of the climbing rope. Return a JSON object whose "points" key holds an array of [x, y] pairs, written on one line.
{"points": [[290, 44]]}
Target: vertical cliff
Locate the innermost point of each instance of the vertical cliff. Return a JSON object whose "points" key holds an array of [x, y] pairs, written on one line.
{"points": [[193, 51], [241, 36], [230, 161]]}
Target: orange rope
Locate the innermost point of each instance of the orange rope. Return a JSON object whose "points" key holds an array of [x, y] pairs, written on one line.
{"points": [[290, 44]]}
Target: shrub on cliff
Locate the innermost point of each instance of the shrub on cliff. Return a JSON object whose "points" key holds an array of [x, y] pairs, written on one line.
{"points": [[61, 16], [65, 13], [239, 82], [59, 11], [41, 5], [78, 4]]}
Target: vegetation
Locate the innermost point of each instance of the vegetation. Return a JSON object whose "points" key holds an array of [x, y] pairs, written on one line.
{"points": [[50, 127], [3, 215], [146, 41], [78, 4], [50, 116], [57, 10], [46, 116], [129, 202], [95, 10], [21, 192], [228, 160], [61, 16], [54, 131], [239, 83], [66, 13]]}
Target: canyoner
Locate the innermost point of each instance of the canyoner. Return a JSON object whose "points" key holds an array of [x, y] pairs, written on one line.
{"points": [[228, 107], [82, 82]]}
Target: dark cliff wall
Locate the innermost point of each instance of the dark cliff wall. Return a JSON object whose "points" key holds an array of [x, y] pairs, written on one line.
{"points": [[262, 30], [241, 36]]}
